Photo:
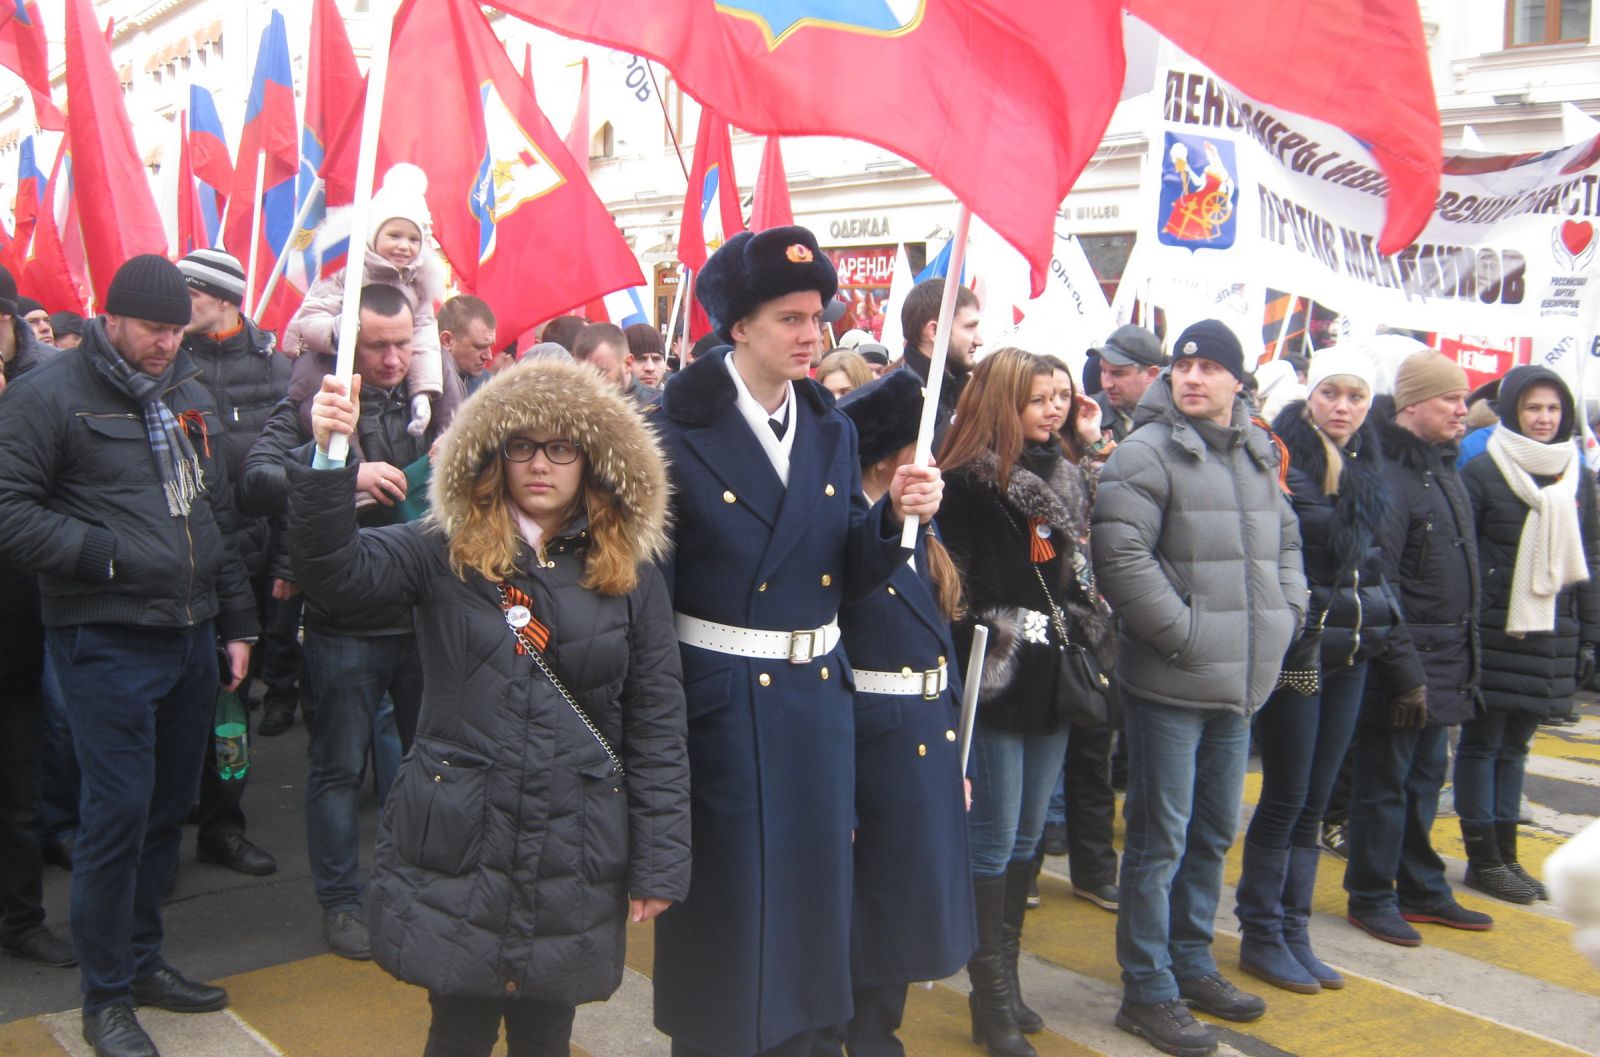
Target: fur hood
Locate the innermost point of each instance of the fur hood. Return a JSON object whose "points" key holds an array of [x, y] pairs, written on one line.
{"points": [[568, 398], [1363, 501]]}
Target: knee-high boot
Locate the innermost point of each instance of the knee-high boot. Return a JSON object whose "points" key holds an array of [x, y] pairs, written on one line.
{"points": [[1019, 878], [1262, 952], [994, 1023], [1299, 887]]}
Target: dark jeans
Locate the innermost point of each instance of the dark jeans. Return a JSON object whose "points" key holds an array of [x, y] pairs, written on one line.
{"points": [[1186, 771], [871, 1032], [353, 677], [1087, 804], [21, 883], [1303, 741], [281, 660], [469, 1027], [1393, 799], [58, 767], [1491, 762], [140, 702]]}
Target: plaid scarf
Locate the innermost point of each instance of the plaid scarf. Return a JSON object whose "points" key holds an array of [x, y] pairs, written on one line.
{"points": [[175, 457]]}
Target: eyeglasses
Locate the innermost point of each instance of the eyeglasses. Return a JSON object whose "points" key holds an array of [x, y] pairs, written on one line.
{"points": [[521, 449]]}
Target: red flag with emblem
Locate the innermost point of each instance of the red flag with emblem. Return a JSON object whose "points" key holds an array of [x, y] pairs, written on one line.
{"points": [[515, 216], [23, 51]]}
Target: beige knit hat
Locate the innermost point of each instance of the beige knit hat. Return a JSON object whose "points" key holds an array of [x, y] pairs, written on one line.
{"points": [[1425, 375]]}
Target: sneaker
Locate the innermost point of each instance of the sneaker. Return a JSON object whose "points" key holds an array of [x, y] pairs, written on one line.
{"points": [[1032, 901], [1451, 915], [346, 935], [1336, 839], [1525, 812], [1054, 841], [1106, 897], [1168, 1026], [1447, 802], [1215, 994], [42, 946], [1386, 925]]}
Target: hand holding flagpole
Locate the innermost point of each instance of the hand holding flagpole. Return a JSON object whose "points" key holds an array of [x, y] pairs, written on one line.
{"points": [[941, 352], [366, 170]]}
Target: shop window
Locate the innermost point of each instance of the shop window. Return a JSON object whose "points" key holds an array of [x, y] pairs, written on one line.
{"points": [[1546, 22]]}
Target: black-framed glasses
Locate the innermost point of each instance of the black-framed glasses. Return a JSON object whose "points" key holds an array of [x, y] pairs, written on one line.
{"points": [[560, 452]]}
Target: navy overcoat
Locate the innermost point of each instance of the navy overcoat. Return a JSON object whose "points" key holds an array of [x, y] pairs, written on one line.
{"points": [[759, 952]]}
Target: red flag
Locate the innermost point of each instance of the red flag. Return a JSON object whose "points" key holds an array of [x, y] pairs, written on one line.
{"points": [[23, 51], [1370, 78], [335, 91], [192, 233], [711, 180], [520, 225], [578, 134], [43, 268], [770, 208], [115, 207]]}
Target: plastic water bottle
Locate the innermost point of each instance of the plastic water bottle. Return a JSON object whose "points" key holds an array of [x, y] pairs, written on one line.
{"points": [[232, 731]]}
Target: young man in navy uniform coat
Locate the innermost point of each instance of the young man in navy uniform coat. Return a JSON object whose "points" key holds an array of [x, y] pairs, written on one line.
{"points": [[773, 535]]}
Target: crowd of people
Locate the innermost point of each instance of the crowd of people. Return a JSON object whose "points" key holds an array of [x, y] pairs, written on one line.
{"points": [[624, 630]]}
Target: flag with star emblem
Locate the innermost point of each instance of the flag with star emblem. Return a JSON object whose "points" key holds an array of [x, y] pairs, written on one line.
{"points": [[512, 211]]}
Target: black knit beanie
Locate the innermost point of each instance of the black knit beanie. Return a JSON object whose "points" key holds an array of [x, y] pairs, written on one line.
{"points": [[149, 287], [8, 294]]}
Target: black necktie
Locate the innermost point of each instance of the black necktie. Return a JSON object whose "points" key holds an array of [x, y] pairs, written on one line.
{"points": [[779, 427]]}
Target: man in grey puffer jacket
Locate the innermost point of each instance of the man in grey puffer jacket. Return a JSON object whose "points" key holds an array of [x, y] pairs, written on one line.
{"points": [[1198, 552]]}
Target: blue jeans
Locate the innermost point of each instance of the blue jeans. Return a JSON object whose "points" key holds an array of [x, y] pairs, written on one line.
{"points": [[1491, 761], [1186, 770], [58, 765], [140, 701], [352, 679], [1011, 781], [1394, 795], [1303, 740]]}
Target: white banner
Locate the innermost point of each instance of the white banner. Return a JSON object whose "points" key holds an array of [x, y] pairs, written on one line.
{"points": [[1065, 321]]}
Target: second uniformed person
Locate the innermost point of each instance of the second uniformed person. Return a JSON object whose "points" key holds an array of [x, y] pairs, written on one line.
{"points": [[773, 535]]}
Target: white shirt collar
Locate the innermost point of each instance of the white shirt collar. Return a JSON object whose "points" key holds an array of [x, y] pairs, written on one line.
{"points": [[778, 451]]}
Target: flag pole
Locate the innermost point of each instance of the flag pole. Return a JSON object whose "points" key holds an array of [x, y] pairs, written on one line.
{"points": [[255, 234], [366, 169], [972, 678], [941, 352], [1283, 328], [282, 263], [677, 302]]}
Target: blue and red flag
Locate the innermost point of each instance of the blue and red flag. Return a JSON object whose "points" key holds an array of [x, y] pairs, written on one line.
{"points": [[269, 141], [711, 183], [210, 162], [334, 91], [31, 182], [23, 51], [42, 268]]}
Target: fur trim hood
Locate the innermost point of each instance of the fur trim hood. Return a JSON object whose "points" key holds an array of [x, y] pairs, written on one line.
{"points": [[568, 398]]}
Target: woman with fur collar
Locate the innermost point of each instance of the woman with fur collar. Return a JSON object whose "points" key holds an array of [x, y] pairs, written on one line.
{"points": [[1015, 519], [1339, 492], [547, 788]]}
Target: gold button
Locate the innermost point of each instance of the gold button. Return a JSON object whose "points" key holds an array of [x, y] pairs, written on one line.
{"points": [[906, 670], [892, 591], [438, 778], [824, 671], [763, 587], [941, 659], [922, 750], [729, 497], [765, 680], [511, 986], [827, 579], [949, 735], [828, 490]]}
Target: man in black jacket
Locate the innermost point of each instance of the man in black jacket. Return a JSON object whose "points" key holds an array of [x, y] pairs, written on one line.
{"points": [[109, 491], [1429, 548], [353, 659], [1130, 362], [246, 379], [20, 348], [919, 319]]}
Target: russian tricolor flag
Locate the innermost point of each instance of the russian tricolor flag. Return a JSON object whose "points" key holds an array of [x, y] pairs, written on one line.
{"points": [[209, 159]]}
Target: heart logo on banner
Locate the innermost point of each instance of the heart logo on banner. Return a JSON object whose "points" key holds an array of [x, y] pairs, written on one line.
{"points": [[1576, 236]]}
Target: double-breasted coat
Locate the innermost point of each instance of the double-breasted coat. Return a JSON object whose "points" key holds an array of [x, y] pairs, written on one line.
{"points": [[759, 952], [913, 916]]}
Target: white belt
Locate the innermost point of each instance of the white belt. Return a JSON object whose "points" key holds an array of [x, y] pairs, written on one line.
{"points": [[904, 683], [796, 647]]}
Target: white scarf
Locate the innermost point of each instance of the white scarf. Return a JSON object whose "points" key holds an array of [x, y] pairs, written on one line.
{"points": [[1550, 553]]}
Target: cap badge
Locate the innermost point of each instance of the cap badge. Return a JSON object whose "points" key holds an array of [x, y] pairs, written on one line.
{"points": [[1190, 348], [799, 253]]}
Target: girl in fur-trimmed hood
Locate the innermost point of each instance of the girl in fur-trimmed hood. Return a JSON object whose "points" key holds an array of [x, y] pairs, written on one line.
{"points": [[547, 792]]}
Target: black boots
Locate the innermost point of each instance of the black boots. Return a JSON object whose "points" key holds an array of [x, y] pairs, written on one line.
{"points": [[994, 1020], [1505, 834], [1020, 879], [1262, 952], [1486, 870]]}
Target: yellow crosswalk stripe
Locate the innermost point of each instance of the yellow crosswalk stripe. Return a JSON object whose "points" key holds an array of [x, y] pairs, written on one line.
{"points": [[28, 1038]]}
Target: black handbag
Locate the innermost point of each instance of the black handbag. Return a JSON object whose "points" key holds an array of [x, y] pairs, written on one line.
{"points": [[1083, 685], [1302, 661]]}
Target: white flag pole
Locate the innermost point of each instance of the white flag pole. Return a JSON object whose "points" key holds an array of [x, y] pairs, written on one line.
{"points": [[366, 171], [282, 263], [941, 352], [255, 235], [972, 677], [677, 302]]}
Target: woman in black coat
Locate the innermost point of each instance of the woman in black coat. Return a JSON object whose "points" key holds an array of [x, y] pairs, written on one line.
{"points": [[548, 784], [1338, 489], [1015, 518], [1533, 500]]}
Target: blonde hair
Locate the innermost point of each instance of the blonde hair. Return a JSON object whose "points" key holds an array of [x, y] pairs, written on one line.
{"points": [[852, 364], [1334, 454]]}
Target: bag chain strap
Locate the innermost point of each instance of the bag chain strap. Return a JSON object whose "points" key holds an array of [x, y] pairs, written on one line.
{"points": [[1056, 617], [522, 636]]}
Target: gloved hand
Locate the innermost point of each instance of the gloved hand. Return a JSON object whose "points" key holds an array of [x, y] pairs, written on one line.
{"points": [[421, 415], [1410, 709], [1586, 663]]}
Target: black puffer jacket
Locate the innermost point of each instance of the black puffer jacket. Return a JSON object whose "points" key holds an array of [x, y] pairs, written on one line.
{"points": [[1339, 541], [1430, 557], [1538, 672], [31, 352], [986, 529], [81, 503], [247, 379], [509, 844]]}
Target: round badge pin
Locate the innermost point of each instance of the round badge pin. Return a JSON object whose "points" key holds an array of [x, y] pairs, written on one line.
{"points": [[1043, 531], [519, 617]]}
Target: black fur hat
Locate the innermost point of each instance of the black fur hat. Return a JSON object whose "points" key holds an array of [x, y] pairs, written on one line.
{"points": [[750, 270], [886, 412]]}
